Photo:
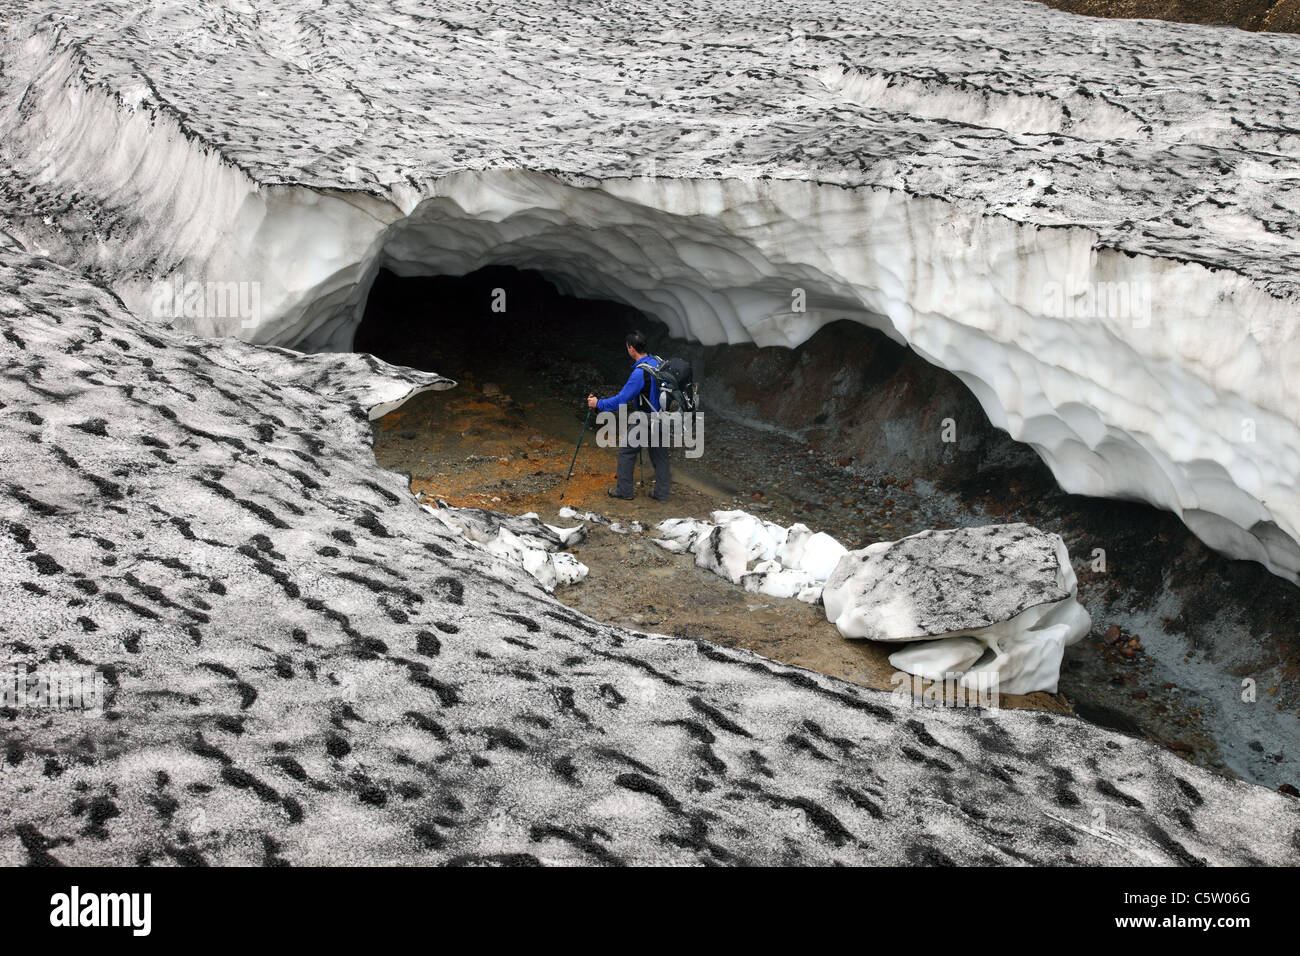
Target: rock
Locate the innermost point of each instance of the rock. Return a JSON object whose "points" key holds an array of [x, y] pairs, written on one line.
{"points": [[491, 390]]}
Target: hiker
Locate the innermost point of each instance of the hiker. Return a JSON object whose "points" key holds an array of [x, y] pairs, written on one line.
{"points": [[640, 395]]}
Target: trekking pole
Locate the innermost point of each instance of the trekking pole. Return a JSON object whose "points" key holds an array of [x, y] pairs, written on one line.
{"points": [[581, 436]]}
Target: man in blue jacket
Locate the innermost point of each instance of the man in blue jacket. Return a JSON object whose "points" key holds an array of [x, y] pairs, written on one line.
{"points": [[638, 395]]}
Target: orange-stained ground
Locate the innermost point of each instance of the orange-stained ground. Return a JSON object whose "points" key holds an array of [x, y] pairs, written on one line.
{"points": [[490, 450]]}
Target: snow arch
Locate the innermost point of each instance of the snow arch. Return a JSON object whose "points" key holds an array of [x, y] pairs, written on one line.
{"points": [[1144, 402], [1133, 375]]}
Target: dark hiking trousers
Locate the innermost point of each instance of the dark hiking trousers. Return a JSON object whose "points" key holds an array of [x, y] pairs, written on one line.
{"points": [[627, 455]]}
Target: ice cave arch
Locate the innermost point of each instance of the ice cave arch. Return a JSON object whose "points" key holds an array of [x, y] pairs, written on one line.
{"points": [[1182, 405], [1191, 403], [701, 279]]}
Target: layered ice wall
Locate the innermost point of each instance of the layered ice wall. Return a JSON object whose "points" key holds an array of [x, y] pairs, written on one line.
{"points": [[1096, 234]]}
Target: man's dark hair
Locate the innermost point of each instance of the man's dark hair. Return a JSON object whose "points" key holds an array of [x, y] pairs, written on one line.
{"points": [[637, 341]]}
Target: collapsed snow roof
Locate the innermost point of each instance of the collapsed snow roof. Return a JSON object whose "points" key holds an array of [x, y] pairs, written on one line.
{"points": [[1091, 223]]}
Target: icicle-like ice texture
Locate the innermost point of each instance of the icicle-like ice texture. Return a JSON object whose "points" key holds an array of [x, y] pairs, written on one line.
{"points": [[998, 599], [302, 664], [523, 540]]}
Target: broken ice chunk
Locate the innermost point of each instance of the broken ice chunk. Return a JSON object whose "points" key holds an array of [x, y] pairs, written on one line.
{"points": [[1005, 588], [523, 540], [817, 553], [768, 577], [680, 535], [935, 660], [583, 515]]}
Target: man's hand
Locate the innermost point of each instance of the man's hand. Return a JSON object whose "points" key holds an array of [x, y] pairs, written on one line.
{"points": [[591, 401]]}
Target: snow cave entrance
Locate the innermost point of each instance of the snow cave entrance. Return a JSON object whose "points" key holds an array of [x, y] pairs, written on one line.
{"points": [[524, 356], [844, 433], [497, 325], [793, 435]]}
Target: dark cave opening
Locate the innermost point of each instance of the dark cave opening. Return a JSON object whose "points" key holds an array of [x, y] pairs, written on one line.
{"points": [[497, 323]]}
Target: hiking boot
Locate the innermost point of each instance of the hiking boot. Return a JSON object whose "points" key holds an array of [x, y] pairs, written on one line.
{"points": [[613, 493]]}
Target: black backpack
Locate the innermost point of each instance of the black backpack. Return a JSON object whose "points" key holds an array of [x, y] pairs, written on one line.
{"points": [[675, 380]]}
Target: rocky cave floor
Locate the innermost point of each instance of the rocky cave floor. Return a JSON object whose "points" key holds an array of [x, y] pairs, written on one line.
{"points": [[504, 438]]}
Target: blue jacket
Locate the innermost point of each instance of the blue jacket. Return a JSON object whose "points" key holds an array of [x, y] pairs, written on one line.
{"points": [[635, 382]]}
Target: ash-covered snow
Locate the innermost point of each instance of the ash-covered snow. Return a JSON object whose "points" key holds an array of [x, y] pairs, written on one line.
{"points": [[940, 582], [305, 666]]}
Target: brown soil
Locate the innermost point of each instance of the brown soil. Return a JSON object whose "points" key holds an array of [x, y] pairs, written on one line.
{"points": [[1275, 16]]}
